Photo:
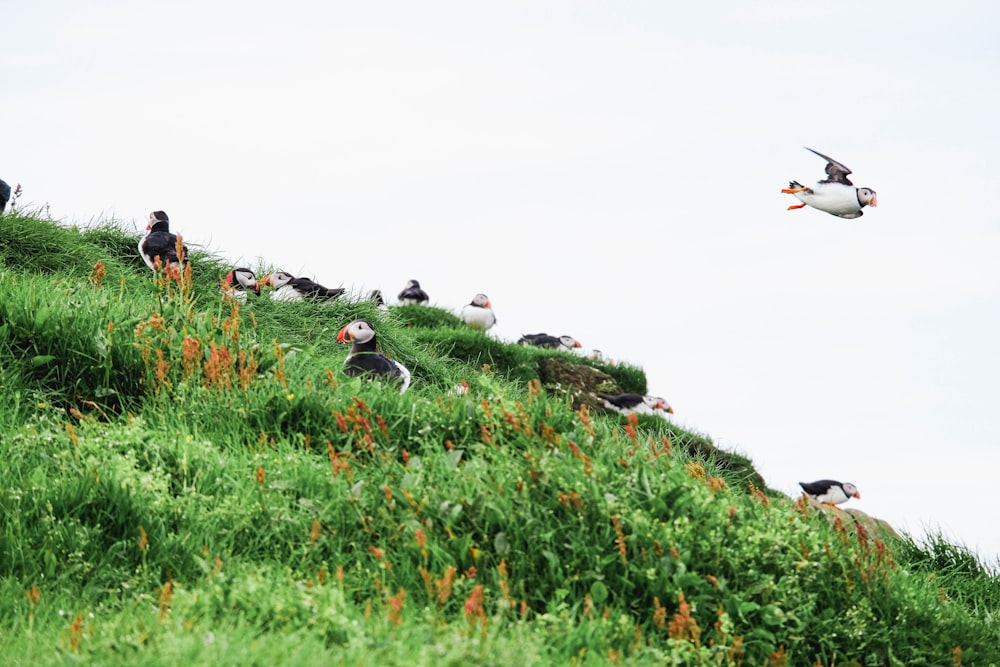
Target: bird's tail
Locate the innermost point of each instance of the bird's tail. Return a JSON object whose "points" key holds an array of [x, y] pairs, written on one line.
{"points": [[793, 185]]}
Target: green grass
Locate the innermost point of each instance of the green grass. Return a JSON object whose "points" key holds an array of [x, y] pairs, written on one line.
{"points": [[191, 482]]}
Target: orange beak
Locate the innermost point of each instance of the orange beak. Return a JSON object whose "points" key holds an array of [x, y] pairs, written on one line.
{"points": [[342, 337], [858, 495], [670, 410], [578, 344], [874, 201]]}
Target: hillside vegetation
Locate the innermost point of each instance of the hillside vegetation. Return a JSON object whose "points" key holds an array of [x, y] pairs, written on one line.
{"points": [[188, 480]]}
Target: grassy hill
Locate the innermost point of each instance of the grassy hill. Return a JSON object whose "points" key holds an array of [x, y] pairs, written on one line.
{"points": [[188, 480]]}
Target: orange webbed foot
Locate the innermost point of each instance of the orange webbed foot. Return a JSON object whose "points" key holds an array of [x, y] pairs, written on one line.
{"points": [[792, 191], [796, 206]]}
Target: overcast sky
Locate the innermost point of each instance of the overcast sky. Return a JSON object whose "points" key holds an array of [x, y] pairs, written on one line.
{"points": [[606, 170]]}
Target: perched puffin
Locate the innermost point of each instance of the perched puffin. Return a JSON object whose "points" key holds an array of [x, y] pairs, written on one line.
{"points": [[4, 195], [239, 282], [830, 492], [159, 242], [551, 342], [836, 195], [627, 404], [287, 287], [413, 294], [365, 358], [376, 297], [478, 313]]}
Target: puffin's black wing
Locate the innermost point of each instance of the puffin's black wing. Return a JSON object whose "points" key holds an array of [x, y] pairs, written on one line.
{"points": [[314, 289], [162, 245], [539, 340], [836, 171], [371, 364], [818, 487], [624, 401]]}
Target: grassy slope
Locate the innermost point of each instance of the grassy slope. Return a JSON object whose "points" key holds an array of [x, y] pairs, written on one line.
{"points": [[189, 482]]}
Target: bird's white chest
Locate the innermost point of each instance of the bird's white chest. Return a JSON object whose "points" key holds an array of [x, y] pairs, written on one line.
{"points": [[481, 318], [836, 198], [286, 293]]}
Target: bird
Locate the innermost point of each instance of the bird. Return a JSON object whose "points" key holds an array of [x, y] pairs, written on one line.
{"points": [[478, 313], [835, 195], [239, 282], [160, 243], [830, 492], [286, 287], [4, 195], [413, 294], [376, 297], [627, 404], [551, 342], [364, 359]]}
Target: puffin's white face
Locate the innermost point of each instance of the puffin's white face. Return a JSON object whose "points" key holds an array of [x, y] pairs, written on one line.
{"points": [[867, 196], [245, 278], [851, 490], [358, 330], [657, 403], [481, 300], [278, 278], [569, 341]]}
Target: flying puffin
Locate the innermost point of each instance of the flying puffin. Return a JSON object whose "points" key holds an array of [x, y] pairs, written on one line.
{"points": [[287, 287], [627, 404], [365, 358], [239, 282], [413, 294], [478, 313], [836, 195], [830, 492], [159, 242], [551, 342]]}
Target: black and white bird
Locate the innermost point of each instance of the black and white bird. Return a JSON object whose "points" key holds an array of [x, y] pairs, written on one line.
{"points": [[376, 297], [413, 294], [478, 313], [4, 195], [286, 287], [239, 282], [365, 359], [550, 342], [160, 243], [830, 492], [627, 404], [835, 194]]}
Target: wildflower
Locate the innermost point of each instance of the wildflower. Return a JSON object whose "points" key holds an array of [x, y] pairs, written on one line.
{"points": [[474, 611], [396, 603], [683, 626]]}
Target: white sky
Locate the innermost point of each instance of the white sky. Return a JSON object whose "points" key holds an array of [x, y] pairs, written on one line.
{"points": [[601, 169]]}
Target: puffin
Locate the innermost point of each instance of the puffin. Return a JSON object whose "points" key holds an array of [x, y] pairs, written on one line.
{"points": [[478, 313], [4, 195], [830, 492], [287, 287], [627, 404], [239, 282], [835, 194], [551, 342], [376, 297], [365, 359], [413, 294], [159, 242]]}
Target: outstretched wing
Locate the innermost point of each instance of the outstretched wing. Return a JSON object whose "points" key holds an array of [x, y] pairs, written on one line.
{"points": [[836, 171]]}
